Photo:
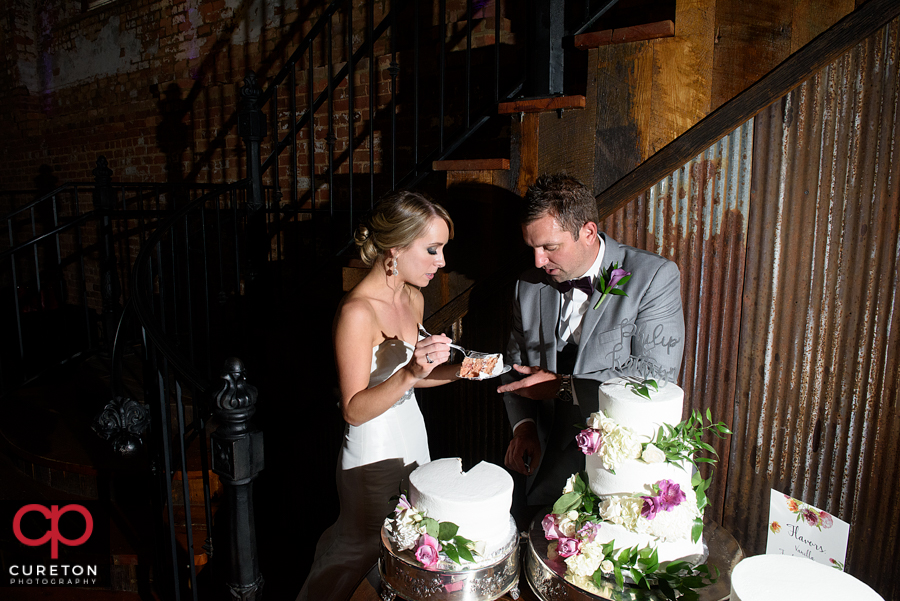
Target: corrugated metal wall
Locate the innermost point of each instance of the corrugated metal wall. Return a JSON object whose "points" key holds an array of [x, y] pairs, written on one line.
{"points": [[791, 301], [698, 218], [817, 389], [787, 233]]}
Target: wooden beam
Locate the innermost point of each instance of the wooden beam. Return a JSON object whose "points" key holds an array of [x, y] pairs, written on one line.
{"points": [[541, 105], [471, 165], [636, 33], [843, 35]]}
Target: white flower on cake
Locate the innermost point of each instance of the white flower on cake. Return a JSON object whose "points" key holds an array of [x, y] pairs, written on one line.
{"points": [[619, 442], [405, 527], [570, 485], [585, 563], [652, 454], [567, 525], [624, 511]]}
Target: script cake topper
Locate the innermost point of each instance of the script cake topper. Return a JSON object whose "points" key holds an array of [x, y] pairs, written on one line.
{"points": [[643, 365]]}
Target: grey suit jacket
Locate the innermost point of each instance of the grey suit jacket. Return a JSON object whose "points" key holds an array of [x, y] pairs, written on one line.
{"points": [[641, 334]]}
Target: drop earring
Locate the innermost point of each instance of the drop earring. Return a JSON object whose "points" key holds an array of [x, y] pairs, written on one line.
{"points": [[394, 267]]}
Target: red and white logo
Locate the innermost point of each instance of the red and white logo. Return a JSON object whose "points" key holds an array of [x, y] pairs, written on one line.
{"points": [[53, 514]]}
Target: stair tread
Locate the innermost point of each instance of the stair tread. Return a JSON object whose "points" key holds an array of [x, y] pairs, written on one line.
{"points": [[541, 105]]}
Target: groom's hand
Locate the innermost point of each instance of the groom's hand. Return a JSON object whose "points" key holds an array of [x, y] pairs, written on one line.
{"points": [[524, 452], [539, 384]]}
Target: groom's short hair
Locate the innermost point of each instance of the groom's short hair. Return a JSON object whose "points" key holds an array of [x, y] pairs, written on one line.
{"points": [[562, 197]]}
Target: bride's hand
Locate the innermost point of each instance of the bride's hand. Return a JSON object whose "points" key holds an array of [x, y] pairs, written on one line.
{"points": [[430, 352]]}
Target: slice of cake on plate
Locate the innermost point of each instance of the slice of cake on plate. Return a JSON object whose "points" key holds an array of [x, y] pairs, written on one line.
{"points": [[481, 366]]}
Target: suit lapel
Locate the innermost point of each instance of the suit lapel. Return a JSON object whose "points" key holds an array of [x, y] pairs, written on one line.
{"points": [[612, 254], [549, 317]]}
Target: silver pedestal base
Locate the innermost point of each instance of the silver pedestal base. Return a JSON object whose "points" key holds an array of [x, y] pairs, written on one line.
{"points": [[404, 579], [546, 577]]}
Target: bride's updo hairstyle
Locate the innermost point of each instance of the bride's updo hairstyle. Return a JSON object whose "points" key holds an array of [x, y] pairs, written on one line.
{"points": [[397, 220]]}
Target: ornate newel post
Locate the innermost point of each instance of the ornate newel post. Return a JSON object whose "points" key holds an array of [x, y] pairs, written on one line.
{"points": [[110, 288], [252, 128], [237, 457]]}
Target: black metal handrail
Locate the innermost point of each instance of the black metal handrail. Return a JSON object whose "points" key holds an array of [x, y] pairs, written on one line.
{"points": [[413, 143]]}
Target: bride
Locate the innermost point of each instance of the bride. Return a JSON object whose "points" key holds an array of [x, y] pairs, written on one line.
{"points": [[380, 359]]}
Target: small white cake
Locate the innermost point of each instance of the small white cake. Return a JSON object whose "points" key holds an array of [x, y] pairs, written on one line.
{"points": [[787, 578], [478, 501]]}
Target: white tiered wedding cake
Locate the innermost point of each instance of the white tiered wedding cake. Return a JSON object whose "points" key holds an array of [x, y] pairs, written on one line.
{"points": [[638, 507]]}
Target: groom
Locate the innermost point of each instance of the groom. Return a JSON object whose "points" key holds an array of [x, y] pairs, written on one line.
{"points": [[567, 336]]}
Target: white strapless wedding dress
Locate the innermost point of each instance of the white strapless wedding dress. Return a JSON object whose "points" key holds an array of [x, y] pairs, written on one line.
{"points": [[375, 459]]}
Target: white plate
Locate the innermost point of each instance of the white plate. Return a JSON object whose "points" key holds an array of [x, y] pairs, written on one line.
{"points": [[505, 369]]}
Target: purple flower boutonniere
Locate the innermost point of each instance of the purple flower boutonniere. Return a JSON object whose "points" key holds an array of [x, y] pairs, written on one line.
{"points": [[612, 283]]}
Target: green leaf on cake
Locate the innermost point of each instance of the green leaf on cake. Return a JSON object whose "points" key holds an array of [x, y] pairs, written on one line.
{"points": [[447, 531], [450, 551], [462, 546], [432, 527], [567, 502], [697, 530], [617, 570]]}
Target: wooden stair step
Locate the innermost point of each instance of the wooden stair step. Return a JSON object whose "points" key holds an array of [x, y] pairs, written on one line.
{"points": [[541, 105], [471, 165], [622, 35]]}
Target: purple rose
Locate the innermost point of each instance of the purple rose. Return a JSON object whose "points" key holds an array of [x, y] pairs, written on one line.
{"points": [[427, 551], [670, 495], [589, 441], [651, 507], [589, 531], [551, 528], [615, 275], [810, 516], [567, 547]]}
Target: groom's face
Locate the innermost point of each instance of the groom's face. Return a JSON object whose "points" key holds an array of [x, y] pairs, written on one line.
{"points": [[557, 252]]}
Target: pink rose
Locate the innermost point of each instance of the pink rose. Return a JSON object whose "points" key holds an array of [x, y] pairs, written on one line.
{"points": [[589, 441], [551, 528], [567, 547], [427, 551]]}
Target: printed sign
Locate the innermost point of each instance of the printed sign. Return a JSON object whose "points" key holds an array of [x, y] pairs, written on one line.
{"points": [[796, 528]]}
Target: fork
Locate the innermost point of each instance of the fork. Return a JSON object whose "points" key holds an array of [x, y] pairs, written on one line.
{"points": [[424, 332]]}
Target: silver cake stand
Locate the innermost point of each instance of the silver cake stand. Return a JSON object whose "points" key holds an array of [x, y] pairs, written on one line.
{"points": [[545, 577], [402, 577]]}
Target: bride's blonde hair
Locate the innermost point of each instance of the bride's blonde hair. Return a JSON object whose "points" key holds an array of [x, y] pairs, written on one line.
{"points": [[397, 220]]}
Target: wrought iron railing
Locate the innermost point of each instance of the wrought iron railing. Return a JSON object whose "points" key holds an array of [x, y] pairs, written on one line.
{"points": [[337, 141], [63, 255]]}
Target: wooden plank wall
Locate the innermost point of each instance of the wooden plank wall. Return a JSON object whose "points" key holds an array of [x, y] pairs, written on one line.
{"points": [[648, 93]]}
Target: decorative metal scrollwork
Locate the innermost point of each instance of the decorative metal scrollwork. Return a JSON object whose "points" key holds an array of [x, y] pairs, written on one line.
{"points": [[123, 422]]}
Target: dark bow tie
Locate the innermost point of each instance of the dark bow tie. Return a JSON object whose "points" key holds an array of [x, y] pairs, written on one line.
{"points": [[582, 283]]}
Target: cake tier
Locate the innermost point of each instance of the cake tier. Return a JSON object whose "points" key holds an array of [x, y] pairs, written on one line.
{"points": [[477, 501], [634, 476], [642, 416], [777, 577], [684, 549]]}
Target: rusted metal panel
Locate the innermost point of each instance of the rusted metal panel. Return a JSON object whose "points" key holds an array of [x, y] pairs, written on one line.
{"points": [[697, 217], [819, 369]]}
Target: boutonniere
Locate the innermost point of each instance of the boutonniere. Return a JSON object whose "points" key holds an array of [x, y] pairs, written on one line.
{"points": [[612, 282]]}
